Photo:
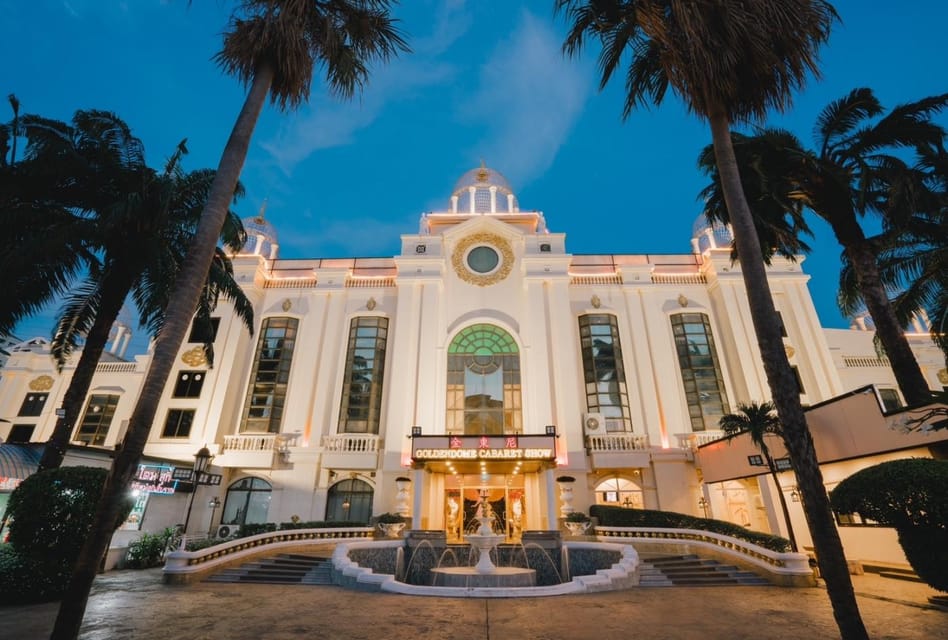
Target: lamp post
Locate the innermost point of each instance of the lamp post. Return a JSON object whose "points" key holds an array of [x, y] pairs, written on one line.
{"points": [[202, 460], [213, 503]]}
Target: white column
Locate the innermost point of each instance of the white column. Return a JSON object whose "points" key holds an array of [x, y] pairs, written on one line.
{"points": [[493, 199], [471, 191]]}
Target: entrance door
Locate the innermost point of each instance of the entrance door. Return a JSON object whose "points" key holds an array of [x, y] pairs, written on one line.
{"points": [[502, 493]]}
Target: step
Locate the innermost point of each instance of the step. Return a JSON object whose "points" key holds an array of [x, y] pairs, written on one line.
{"points": [[901, 575]]}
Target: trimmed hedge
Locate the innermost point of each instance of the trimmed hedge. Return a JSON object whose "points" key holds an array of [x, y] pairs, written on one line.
{"points": [[910, 495], [269, 527], [609, 516]]}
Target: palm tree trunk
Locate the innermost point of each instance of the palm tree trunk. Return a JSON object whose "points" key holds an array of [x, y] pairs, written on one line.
{"points": [[908, 374], [783, 500], [179, 313], [115, 288], [783, 388]]}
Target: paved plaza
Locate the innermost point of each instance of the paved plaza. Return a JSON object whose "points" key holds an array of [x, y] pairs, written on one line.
{"points": [[133, 605]]}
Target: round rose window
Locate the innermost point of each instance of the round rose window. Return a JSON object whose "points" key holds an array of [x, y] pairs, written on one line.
{"points": [[482, 259]]}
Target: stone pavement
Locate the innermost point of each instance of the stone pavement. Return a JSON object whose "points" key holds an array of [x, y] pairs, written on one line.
{"points": [[133, 605]]}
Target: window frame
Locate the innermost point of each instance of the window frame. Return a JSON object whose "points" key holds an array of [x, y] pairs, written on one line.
{"points": [[102, 423], [181, 416], [689, 352], [184, 388], [269, 377], [33, 404], [368, 343], [595, 365]]}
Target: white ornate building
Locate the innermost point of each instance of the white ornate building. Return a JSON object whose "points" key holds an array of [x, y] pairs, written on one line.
{"points": [[483, 358]]}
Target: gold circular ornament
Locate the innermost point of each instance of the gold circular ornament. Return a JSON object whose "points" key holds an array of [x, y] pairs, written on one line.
{"points": [[287, 304], [943, 376], [194, 357], [483, 243], [790, 350], [41, 383]]}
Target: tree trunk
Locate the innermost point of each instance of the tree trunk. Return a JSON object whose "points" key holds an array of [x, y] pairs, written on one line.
{"points": [[783, 500], [115, 289], [908, 374], [181, 308], [783, 388]]}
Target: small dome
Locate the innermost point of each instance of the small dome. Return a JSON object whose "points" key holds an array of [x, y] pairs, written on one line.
{"points": [[490, 191], [720, 236], [256, 227]]}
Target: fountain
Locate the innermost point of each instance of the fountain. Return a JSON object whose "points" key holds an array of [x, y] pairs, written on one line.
{"points": [[485, 573]]}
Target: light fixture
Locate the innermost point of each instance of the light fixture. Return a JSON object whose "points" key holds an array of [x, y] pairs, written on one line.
{"points": [[795, 494], [551, 429], [416, 431], [202, 460]]}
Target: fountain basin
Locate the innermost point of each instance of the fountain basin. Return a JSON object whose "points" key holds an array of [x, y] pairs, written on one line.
{"points": [[470, 577]]}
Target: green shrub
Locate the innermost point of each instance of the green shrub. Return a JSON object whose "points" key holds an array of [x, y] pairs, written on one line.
{"points": [[910, 495], [390, 518], [577, 516], [149, 550], [268, 527], [610, 516], [51, 513]]}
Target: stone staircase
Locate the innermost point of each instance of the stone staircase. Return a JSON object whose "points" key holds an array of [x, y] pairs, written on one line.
{"points": [[287, 568], [693, 571]]}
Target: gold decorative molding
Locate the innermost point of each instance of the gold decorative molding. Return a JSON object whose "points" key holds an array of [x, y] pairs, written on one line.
{"points": [[682, 300], [790, 350], [492, 240], [370, 305], [595, 301], [943, 376], [287, 304], [194, 357], [41, 383]]}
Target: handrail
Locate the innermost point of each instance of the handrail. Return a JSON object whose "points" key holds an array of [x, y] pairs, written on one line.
{"points": [[777, 562], [184, 562]]}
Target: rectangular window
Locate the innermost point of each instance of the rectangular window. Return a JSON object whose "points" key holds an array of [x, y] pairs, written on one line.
{"points": [[33, 404], [20, 433], [206, 333], [178, 423], [189, 384], [799, 380], [603, 370], [94, 426], [263, 410], [890, 400], [700, 370], [365, 367]]}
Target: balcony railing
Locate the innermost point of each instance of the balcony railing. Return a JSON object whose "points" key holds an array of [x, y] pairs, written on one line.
{"points": [[694, 440], [351, 443], [260, 442], [618, 442]]}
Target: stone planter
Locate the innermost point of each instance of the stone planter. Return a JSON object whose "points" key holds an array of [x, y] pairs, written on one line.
{"points": [[577, 528], [391, 529], [566, 496]]}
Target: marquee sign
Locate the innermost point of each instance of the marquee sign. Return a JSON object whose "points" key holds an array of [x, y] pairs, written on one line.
{"points": [[507, 447], [152, 478]]}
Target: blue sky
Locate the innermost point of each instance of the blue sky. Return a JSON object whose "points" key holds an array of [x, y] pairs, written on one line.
{"points": [[486, 81]]}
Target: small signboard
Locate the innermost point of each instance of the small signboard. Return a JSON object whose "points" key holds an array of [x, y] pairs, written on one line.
{"points": [[210, 479], [181, 474]]}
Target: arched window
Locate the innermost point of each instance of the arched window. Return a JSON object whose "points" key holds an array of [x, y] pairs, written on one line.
{"points": [[349, 501], [263, 411], [365, 368], [603, 371], [700, 370], [248, 501], [483, 390], [620, 492]]}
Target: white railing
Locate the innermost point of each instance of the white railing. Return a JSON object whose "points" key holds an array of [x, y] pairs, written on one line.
{"points": [[860, 361], [611, 278], [370, 283], [679, 278], [260, 442], [618, 442], [694, 440], [290, 283], [115, 367], [351, 443]]}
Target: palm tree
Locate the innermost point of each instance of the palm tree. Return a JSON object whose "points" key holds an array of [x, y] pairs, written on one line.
{"points": [[759, 420], [730, 61], [128, 226], [854, 171], [272, 45]]}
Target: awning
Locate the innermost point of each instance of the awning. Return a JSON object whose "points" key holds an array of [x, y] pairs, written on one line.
{"points": [[19, 461]]}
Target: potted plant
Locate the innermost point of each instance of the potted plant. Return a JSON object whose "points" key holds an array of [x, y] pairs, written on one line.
{"points": [[577, 522], [391, 524]]}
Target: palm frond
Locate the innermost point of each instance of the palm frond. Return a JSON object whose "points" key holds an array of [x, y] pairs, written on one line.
{"points": [[74, 320]]}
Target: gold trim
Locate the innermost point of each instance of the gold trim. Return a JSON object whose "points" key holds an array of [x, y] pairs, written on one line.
{"points": [[789, 350], [482, 279], [194, 357], [41, 383], [943, 376]]}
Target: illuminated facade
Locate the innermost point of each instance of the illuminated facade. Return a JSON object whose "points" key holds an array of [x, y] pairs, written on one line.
{"points": [[482, 358]]}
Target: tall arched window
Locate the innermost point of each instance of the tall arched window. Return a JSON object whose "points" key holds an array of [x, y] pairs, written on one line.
{"points": [[483, 382], [365, 368], [603, 372], [248, 502], [349, 501], [266, 394], [700, 370]]}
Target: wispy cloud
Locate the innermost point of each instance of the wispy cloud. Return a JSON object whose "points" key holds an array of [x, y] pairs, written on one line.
{"points": [[327, 123], [332, 236], [528, 99]]}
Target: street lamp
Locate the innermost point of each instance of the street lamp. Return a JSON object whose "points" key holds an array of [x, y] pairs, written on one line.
{"points": [[213, 503], [202, 460]]}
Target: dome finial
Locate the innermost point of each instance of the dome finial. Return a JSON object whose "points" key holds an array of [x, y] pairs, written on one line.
{"points": [[263, 210], [483, 173]]}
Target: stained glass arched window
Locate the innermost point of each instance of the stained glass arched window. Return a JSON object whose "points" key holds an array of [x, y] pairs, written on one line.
{"points": [[483, 382]]}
